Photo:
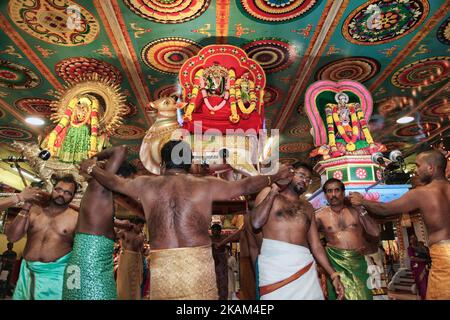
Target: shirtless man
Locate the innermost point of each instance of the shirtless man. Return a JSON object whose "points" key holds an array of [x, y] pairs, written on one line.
{"points": [[177, 208], [50, 231], [286, 268], [346, 230], [90, 272], [433, 201]]}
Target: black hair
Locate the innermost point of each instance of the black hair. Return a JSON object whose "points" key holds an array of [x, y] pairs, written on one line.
{"points": [[216, 226], [341, 184], [436, 158], [304, 165], [126, 170], [68, 178], [183, 157]]}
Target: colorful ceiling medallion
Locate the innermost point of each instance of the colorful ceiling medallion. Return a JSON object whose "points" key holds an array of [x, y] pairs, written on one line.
{"points": [[34, 106], [271, 96], [443, 33], [64, 23], [168, 11], [130, 110], [277, 10], [423, 72], [273, 55], [439, 108], [422, 129], [79, 67], [288, 161], [396, 145], [301, 130], [16, 76], [167, 55], [10, 133], [295, 147], [167, 91], [388, 106], [358, 69], [128, 132], [379, 21]]}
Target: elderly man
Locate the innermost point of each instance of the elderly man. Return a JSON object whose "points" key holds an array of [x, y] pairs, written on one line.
{"points": [[346, 229], [50, 232], [177, 208], [433, 202]]}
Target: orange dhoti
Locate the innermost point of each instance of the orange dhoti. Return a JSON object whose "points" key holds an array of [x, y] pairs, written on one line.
{"points": [[183, 274], [439, 277]]}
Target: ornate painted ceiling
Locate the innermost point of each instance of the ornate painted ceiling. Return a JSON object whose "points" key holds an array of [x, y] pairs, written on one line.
{"points": [[398, 49]]}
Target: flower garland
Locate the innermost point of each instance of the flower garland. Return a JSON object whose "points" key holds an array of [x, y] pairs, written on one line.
{"points": [[350, 143], [61, 125], [94, 127], [252, 94], [234, 118], [211, 108], [363, 123], [191, 106]]}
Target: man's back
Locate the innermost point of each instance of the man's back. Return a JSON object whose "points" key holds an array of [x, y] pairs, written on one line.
{"points": [[178, 210], [434, 204]]}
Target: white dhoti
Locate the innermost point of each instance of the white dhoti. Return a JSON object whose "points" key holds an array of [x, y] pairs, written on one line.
{"points": [[287, 272]]}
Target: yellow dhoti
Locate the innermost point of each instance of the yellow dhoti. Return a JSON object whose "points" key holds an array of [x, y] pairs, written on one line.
{"points": [[439, 277], [183, 274]]}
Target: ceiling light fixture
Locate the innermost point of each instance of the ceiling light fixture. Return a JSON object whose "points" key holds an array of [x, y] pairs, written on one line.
{"points": [[404, 120], [34, 121]]}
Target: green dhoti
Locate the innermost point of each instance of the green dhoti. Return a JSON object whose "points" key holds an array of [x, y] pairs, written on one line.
{"points": [[41, 280], [352, 267], [89, 273]]}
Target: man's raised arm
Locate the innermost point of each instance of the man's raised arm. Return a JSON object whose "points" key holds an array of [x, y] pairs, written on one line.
{"points": [[407, 202], [222, 190], [114, 156], [128, 187], [263, 205]]}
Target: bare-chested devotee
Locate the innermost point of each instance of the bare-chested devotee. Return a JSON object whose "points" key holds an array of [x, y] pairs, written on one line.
{"points": [[433, 202], [178, 208], [347, 230], [286, 267], [50, 230], [89, 273]]}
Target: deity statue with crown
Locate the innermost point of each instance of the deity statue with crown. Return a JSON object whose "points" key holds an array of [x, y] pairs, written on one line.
{"points": [[86, 114], [346, 109]]}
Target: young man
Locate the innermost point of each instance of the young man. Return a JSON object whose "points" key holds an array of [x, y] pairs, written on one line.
{"points": [[286, 267], [90, 273]]}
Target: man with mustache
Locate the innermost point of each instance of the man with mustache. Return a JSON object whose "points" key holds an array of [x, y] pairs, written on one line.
{"points": [[346, 229], [50, 229], [286, 267], [433, 202]]}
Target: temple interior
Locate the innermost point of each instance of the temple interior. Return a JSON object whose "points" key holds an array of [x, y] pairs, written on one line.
{"points": [[354, 89]]}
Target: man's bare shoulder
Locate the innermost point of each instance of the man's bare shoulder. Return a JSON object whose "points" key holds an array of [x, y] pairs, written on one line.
{"points": [[321, 211]]}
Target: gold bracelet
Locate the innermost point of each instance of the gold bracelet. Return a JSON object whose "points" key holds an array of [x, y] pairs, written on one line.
{"points": [[269, 181], [334, 275], [23, 214]]}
